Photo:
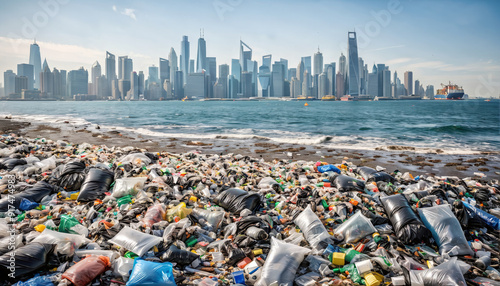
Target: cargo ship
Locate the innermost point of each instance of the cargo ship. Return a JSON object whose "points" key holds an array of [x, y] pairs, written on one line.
{"points": [[450, 91]]}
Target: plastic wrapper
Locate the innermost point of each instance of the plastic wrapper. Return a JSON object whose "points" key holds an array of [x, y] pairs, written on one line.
{"points": [[408, 227], [135, 241], [328, 168], [355, 228], [47, 280], [28, 259], [445, 274], [95, 185], [27, 205], [211, 219], [47, 164], [155, 213], [122, 267], [180, 211], [236, 200], [313, 229], [487, 219], [9, 243], [69, 224], [256, 233], [445, 229], [345, 183], [148, 273], [66, 243], [11, 163], [281, 264], [34, 194], [128, 186], [179, 256], [87, 270], [70, 176]]}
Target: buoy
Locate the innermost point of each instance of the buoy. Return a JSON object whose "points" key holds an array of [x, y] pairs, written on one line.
{"points": [[305, 104]]}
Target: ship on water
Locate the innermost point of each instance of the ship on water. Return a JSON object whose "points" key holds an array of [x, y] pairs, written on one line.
{"points": [[450, 91]]}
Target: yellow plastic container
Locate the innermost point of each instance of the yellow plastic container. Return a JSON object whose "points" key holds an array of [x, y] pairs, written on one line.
{"points": [[257, 252], [373, 279], [338, 258], [40, 227]]}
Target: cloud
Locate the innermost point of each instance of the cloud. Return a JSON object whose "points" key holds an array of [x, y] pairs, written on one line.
{"points": [[127, 12], [398, 61], [388, 48]]}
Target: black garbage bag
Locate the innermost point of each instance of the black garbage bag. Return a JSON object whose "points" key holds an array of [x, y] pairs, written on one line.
{"points": [[252, 221], [27, 259], [380, 177], [374, 218], [236, 200], [347, 184], [95, 185], [70, 176], [35, 194], [465, 218], [234, 253], [11, 163], [179, 256], [408, 227], [365, 172]]}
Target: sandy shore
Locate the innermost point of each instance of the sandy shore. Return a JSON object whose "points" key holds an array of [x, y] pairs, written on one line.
{"points": [[394, 158]]}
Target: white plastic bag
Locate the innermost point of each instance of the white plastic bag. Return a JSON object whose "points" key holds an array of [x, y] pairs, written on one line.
{"points": [[313, 229], [66, 242], [445, 274], [122, 267], [128, 186], [282, 263], [355, 228], [135, 241]]}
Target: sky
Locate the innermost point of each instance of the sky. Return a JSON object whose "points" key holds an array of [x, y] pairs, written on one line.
{"points": [[440, 41]]}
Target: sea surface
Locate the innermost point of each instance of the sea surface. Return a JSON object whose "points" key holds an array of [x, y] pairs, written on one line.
{"points": [[455, 127]]}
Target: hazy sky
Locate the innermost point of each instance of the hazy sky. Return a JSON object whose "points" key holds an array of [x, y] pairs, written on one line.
{"points": [[452, 40]]}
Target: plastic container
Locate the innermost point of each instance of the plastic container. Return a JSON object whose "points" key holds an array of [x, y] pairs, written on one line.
{"points": [[364, 266], [128, 186], [338, 258], [86, 270]]}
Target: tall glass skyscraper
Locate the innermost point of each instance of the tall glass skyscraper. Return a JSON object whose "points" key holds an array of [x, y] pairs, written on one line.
{"points": [[110, 72], [353, 67], [184, 58], [245, 56], [27, 71], [201, 59], [318, 63], [172, 58], [36, 61]]}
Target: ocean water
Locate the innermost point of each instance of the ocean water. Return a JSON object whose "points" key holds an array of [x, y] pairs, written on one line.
{"points": [[456, 127]]}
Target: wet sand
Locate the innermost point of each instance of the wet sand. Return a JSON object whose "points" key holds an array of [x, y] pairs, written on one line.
{"points": [[392, 158]]}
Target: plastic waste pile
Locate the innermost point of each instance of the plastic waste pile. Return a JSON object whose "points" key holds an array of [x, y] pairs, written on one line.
{"points": [[96, 215]]}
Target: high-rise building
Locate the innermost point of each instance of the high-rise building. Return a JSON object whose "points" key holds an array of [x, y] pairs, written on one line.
{"points": [[307, 64], [133, 93], [300, 72], [95, 74], [184, 58], [78, 82], [110, 72], [64, 86], [236, 73], [172, 58], [140, 83], [278, 80], [27, 70], [164, 74], [292, 72], [211, 72], [201, 58], [322, 85], [101, 87], [264, 77], [9, 81], [254, 69], [373, 88], [342, 65], [295, 88], [36, 62], [20, 84], [339, 84], [318, 63], [306, 84], [353, 67], [153, 75], [196, 86], [330, 76], [178, 85], [409, 82], [429, 92], [123, 88], [417, 87], [125, 67], [284, 62], [58, 88], [220, 87], [46, 82], [191, 66], [245, 55], [386, 81], [246, 84]]}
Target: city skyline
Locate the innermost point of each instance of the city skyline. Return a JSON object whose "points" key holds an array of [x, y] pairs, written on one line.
{"points": [[429, 60]]}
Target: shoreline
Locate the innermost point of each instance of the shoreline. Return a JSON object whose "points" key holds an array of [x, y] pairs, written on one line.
{"points": [[404, 159]]}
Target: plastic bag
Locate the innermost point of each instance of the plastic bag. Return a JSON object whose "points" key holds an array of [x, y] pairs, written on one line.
{"points": [[10, 163], [69, 224], [365, 172], [236, 200], [29, 258], [135, 241], [122, 267], [35, 194], [445, 274], [173, 229], [128, 186], [87, 270], [380, 177], [445, 229], [10, 242], [47, 280], [155, 213], [408, 227], [179, 256], [313, 229], [328, 168], [281, 264], [136, 159], [27, 205], [179, 211], [486, 218], [148, 273], [66, 243], [355, 228], [70, 176], [212, 219], [47, 164], [345, 183], [95, 185]]}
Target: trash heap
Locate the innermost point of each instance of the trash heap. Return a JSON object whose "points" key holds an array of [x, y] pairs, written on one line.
{"points": [[86, 214]]}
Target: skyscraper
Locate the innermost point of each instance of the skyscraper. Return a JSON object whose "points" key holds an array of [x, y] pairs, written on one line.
{"points": [[322, 85], [184, 59], [110, 72], [27, 70], [191, 66], [47, 81], [125, 67], [339, 84], [164, 74], [409, 82], [246, 84], [284, 62], [278, 80], [353, 66], [330, 76], [386, 83], [95, 73], [172, 58], [342, 65], [373, 88], [236, 73], [264, 77], [9, 82], [201, 58], [220, 88], [133, 93], [78, 82], [178, 85], [153, 75], [140, 82], [36, 61], [195, 86], [318, 63], [211, 72], [245, 55], [20, 84], [306, 84]]}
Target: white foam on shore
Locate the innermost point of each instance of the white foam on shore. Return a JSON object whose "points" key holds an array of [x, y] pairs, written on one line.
{"points": [[352, 142]]}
